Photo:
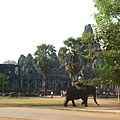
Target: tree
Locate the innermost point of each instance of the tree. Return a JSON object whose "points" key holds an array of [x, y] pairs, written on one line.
{"points": [[91, 46], [69, 55], [3, 82], [45, 60], [107, 32], [9, 62]]}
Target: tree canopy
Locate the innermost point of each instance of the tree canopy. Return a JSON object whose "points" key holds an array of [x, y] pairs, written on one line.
{"points": [[45, 60], [10, 62], [107, 33], [3, 82]]}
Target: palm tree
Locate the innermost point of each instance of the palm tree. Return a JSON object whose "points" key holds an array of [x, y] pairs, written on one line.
{"points": [[69, 56], [45, 61]]}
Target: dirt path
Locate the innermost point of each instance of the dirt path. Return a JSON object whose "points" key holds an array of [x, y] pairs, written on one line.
{"points": [[3, 118], [21, 113]]}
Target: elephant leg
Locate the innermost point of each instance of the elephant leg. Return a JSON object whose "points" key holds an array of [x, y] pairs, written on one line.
{"points": [[85, 101], [73, 103], [66, 102]]}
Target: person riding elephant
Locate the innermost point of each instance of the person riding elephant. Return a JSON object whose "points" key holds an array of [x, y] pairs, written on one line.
{"points": [[76, 92]]}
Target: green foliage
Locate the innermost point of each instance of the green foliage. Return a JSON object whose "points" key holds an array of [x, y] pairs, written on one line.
{"points": [[9, 62], [104, 44], [3, 82], [107, 30], [62, 54], [109, 68], [92, 46], [71, 45], [108, 9], [45, 60]]}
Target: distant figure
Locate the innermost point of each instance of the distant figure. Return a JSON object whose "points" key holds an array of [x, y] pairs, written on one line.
{"points": [[61, 93], [3, 94], [51, 94], [19, 94]]}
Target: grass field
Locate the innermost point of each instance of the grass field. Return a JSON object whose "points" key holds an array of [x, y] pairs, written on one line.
{"points": [[43, 101], [31, 101], [56, 102]]}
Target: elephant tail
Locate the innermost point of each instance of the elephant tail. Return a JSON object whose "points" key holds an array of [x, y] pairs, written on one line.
{"points": [[94, 97]]}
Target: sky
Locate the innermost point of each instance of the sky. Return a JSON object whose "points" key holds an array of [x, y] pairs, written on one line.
{"points": [[25, 24]]}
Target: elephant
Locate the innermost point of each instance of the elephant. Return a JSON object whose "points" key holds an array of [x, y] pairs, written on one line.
{"points": [[83, 92]]}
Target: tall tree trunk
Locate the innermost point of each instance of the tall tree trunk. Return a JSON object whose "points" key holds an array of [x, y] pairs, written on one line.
{"points": [[45, 93]]}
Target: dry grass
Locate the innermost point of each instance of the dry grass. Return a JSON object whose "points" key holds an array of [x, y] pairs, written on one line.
{"points": [[45, 101], [31, 101]]}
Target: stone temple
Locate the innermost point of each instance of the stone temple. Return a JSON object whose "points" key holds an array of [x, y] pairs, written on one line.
{"points": [[24, 76]]}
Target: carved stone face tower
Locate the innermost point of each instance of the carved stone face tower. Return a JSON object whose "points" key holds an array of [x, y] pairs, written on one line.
{"points": [[29, 75], [88, 29]]}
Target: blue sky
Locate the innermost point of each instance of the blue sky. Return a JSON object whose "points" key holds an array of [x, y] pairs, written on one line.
{"points": [[25, 24]]}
